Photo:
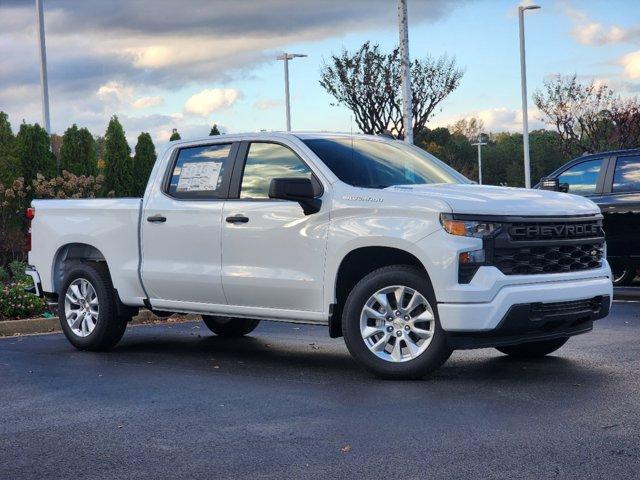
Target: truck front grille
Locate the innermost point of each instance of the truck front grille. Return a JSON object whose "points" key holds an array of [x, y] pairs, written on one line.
{"points": [[548, 258]]}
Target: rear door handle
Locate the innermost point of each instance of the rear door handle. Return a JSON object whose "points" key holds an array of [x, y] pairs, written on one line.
{"points": [[237, 219], [157, 219]]}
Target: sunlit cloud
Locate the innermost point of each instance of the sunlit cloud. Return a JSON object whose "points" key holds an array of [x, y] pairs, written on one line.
{"points": [[208, 101]]}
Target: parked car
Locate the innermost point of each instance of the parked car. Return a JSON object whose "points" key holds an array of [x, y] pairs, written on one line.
{"points": [[612, 181], [372, 237]]}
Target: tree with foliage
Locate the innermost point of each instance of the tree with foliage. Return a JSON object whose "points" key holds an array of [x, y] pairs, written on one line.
{"points": [[214, 130], [143, 160], [589, 117], [119, 167], [174, 135], [32, 149], [368, 82], [78, 151], [10, 167]]}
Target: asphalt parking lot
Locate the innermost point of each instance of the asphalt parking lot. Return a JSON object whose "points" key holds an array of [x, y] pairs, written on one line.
{"points": [[288, 402]]}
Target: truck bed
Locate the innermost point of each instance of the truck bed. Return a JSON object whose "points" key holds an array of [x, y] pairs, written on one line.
{"points": [[110, 226]]}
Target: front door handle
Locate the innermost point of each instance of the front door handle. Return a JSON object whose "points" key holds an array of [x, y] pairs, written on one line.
{"points": [[157, 219], [237, 219]]}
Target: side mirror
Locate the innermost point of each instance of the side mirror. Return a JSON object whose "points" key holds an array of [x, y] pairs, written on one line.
{"points": [[550, 183], [301, 190]]}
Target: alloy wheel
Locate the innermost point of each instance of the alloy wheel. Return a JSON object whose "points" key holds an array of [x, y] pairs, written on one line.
{"points": [[81, 307], [397, 323]]}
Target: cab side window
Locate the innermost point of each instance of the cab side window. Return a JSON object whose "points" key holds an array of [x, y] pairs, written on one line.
{"points": [[582, 178], [266, 161], [200, 172], [626, 177]]}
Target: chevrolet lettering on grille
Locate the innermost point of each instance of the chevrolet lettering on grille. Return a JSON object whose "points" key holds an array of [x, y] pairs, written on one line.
{"points": [[555, 231]]}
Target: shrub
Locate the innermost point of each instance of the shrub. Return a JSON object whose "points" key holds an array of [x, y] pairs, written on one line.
{"points": [[15, 303], [4, 275], [17, 271]]}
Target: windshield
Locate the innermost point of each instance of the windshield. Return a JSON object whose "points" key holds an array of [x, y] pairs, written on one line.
{"points": [[372, 163]]}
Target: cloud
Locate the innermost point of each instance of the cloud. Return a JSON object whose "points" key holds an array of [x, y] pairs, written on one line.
{"points": [[208, 101], [268, 104], [590, 32], [148, 102], [631, 64], [115, 92], [116, 56], [496, 119]]}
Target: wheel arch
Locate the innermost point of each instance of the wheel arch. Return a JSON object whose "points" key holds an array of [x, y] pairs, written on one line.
{"points": [[70, 253], [358, 263]]}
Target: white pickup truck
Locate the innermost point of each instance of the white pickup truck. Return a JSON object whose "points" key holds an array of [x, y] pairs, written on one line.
{"points": [[372, 237]]}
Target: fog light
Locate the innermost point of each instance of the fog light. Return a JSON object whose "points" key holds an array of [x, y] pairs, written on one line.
{"points": [[476, 256]]}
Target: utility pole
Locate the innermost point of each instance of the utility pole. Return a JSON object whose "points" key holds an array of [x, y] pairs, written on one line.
{"points": [[44, 84], [479, 144], [286, 57], [405, 71], [525, 114]]}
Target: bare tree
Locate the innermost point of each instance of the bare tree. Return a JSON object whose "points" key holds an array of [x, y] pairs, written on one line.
{"points": [[589, 117], [368, 82]]}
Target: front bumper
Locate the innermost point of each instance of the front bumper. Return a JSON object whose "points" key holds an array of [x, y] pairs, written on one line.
{"points": [[536, 322], [486, 316]]}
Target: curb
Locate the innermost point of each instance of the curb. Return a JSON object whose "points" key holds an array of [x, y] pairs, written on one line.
{"points": [[29, 326]]}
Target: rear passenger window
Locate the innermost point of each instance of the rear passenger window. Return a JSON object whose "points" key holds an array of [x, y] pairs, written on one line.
{"points": [[626, 177], [200, 172]]}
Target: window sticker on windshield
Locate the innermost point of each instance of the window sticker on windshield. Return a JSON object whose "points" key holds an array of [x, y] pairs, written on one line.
{"points": [[199, 176]]}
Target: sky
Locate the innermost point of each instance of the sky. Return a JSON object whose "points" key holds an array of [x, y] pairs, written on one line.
{"points": [[161, 64]]}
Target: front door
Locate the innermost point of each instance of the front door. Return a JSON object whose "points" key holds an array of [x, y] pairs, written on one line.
{"points": [[181, 229], [272, 253]]}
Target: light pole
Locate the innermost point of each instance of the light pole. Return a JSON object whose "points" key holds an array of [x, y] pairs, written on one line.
{"points": [[286, 57], [405, 71], [479, 144], [44, 84], [523, 76]]}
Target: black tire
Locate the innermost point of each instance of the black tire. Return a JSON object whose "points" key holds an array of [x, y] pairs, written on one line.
{"points": [[533, 349], [109, 327], [230, 326], [436, 353], [623, 275]]}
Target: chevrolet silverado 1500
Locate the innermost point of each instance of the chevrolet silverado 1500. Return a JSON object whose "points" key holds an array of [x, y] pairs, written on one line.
{"points": [[374, 238]]}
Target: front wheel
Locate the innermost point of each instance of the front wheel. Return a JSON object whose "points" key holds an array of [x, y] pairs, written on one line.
{"points": [[533, 349], [390, 324], [229, 326]]}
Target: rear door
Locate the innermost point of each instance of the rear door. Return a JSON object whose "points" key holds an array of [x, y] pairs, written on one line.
{"points": [[272, 253], [181, 228], [620, 204]]}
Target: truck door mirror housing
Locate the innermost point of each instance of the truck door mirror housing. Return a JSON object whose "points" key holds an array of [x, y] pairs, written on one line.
{"points": [[305, 191]]}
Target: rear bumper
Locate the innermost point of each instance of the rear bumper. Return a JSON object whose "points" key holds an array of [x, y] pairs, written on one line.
{"points": [[487, 316], [536, 322], [36, 288]]}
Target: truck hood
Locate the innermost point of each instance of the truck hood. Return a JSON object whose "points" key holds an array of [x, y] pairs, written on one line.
{"points": [[491, 200]]}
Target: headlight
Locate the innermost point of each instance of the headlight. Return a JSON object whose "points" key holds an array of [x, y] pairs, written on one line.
{"points": [[467, 228]]}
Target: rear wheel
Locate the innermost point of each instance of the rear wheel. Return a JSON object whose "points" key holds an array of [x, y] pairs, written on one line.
{"points": [[230, 326], [390, 324], [533, 349], [87, 308]]}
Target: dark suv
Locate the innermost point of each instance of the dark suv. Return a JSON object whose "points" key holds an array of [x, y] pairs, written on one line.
{"points": [[612, 180]]}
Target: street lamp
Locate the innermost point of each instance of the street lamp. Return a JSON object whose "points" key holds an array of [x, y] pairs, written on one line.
{"points": [[523, 75], [405, 71], [44, 86], [479, 144], [286, 57]]}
